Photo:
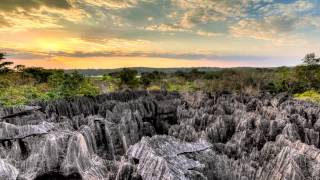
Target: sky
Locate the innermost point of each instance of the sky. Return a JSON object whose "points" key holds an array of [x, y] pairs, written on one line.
{"points": [[96, 34]]}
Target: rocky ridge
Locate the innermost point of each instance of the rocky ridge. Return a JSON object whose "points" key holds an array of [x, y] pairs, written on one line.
{"points": [[159, 135]]}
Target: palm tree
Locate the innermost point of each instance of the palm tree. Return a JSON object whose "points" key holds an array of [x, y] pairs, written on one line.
{"points": [[4, 64]]}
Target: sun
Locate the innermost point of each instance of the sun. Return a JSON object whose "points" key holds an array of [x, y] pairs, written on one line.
{"points": [[50, 45]]}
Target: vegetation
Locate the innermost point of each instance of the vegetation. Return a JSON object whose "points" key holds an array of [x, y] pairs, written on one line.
{"points": [[4, 66], [68, 85], [310, 95], [22, 85], [128, 78]]}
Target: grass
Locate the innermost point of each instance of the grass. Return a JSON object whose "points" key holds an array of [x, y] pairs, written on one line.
{"points": [[154, 88], [20, 95], [311, 95], [182, 87]]}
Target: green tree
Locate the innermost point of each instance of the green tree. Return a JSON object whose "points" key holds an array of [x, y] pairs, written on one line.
{"points": [[71, 84], [68, 85], [39, 74], [147, 78], [128, 78], [56, 79], [195, 74], [87, 88], [308, 74]]}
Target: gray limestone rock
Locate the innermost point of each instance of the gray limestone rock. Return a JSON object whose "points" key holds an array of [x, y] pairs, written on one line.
{"points": [[139, 135]]}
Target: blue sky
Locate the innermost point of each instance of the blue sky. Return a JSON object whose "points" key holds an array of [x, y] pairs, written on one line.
{"points": [[159, 33]]}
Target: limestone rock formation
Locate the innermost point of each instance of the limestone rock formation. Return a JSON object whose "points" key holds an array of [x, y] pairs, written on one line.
{"points": [[162, 157], [159, 135]]}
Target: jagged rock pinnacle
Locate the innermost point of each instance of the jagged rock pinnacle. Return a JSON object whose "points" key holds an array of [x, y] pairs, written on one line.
{"points": [[160, 135]]}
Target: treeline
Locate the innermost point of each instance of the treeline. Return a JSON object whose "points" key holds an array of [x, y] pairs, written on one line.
{"points": [[100, 72], [293, 80], [21, 85]]}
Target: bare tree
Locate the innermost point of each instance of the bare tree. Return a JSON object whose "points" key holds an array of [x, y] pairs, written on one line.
{"points": [[310, 59], [4, 65]]}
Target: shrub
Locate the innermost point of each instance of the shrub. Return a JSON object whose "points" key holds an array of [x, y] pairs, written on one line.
{"points": [[39, 74], [128, 78], [67, 85], [311, 95], [19, 95]]}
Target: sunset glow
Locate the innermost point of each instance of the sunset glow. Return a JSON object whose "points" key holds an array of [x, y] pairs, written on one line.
{"points": [[158, 33], [116, 62]]}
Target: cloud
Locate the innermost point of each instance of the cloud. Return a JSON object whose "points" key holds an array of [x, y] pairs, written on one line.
{"points": [[273, 28], [178, 28], [12, 5], [55, 43], [165, 28], [18, 54], [191, 18], [311, 22], [25, 55], [155, 27], [204, 11], [206, 33], [38, 14], [3, 22], [113, 4], [285, 9], [198, 11], [66, 14]]}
